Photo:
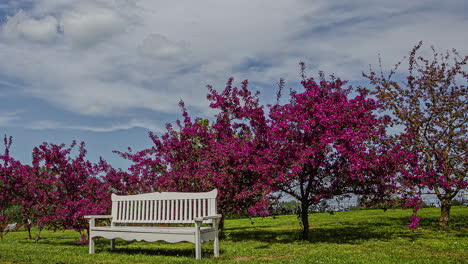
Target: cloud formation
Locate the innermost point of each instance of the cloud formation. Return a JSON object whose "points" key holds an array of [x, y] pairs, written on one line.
{"points": [[109, 57], [22, 25], [134, 123], [6, 118]]}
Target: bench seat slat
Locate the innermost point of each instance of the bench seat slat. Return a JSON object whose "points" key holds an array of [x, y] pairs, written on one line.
{"points": [[156, 229]]}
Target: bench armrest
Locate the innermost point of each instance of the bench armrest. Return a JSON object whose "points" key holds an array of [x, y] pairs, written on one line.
{"points": [[97, 216], [198, 219]]}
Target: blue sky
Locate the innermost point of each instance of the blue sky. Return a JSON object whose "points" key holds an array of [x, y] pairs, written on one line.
{"points": [[108, 71]]}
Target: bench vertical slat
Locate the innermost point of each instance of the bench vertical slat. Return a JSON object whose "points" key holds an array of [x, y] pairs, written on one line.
{"points": [[143, 210], [158, 205], [132, 210], [171, 211], [199, 208], [129, 203], [122, 211], [136, 214], [125, 210], [164, 216], [119, 213], [140, 211], [213, 207], [185, 210], [151, 210], [115, 213], [181, 210], [128, 210], [190, 209], [174, 211], [143, 216], [210, 207], [158, 209], [194, 208], [204, 208], [147, 209], [168, 210]]}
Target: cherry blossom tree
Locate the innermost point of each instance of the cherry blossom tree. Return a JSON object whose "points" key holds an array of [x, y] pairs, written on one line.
{"points": [[325, 143], [8, 182], [201, 156], [60, 189], [431, 106]]}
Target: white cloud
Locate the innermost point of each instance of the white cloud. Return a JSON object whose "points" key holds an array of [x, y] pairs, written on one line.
{"points": [[6, 118], [135, 123], [22, 25], [87, 24], [159, 47]]}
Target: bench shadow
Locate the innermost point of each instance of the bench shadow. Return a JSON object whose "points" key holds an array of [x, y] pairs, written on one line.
{"points": [[175, 252], [155, 252]]}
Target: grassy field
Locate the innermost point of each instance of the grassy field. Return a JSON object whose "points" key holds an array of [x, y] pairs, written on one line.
{"points": [[367, 236]]}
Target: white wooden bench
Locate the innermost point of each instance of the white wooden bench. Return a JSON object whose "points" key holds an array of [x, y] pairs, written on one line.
{"points": [[135, 217]]}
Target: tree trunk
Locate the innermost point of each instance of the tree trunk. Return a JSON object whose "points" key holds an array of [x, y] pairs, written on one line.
{"points": [[27, 224], [221, 233], [445, 206], [28, 227], [305, 220]]}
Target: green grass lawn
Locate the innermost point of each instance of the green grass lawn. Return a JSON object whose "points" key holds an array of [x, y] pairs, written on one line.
{"points": [[367, 236]]}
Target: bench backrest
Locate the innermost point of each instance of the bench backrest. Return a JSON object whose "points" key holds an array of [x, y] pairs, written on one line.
{"points": [[163, 207]]}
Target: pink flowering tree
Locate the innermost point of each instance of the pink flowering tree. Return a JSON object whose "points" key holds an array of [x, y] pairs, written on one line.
{"points": [[431, 107], [326, 143], [37, 196], [60, 189], [322, 144], [19, 188], [201, 156], [8, 182]]}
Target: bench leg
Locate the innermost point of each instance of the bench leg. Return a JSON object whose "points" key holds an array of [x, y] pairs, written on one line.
{"points": [[112, 244], [197, 240], [216, 239], [216, 246], [198, 250], [91, 246]]}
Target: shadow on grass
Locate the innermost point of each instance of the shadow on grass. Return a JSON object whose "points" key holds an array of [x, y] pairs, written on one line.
{"points": [[457, 223], [134, 248], [122, 248], [347, 232], [351, 232], [155, 252]]}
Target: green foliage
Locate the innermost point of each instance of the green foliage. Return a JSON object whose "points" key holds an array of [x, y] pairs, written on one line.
{"points": [[370, 236]]}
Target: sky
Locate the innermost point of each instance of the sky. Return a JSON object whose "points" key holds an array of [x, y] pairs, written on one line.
{"points": [[108, 71]]}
